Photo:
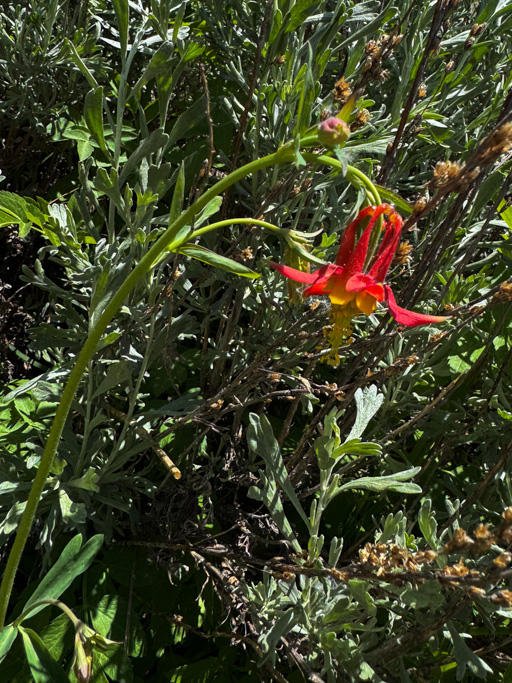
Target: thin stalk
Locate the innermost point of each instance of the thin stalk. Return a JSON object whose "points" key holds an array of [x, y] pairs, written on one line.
{"points": [[88, 411], [353, 175], [133, 398], [164, 243], [234, 221]]}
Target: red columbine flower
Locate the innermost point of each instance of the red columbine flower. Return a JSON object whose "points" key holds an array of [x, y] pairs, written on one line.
{"points": [[355, 286]]}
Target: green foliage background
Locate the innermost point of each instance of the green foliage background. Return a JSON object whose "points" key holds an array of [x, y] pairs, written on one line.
{"points": [[114, 118]]}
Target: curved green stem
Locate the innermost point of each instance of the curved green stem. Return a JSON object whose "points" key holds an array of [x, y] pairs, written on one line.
{"points": [[164, 243], [233, 221], [353, 175]]}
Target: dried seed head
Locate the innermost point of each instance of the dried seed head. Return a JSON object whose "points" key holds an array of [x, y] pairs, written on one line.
{"points": [[449, 67], [419, 205], [502, 598], [483, 539], [402, 254], [435, 338], [324, 114], [474, 592], [368, 62], [422, 90], [469, 43], [502, 560], [507, 516], [444, 172], [246, 254], [459, 542], [372, 48], [503, 295], [280, 59], [477, 29], [362, 118], [342, 90], [398, 39], [456, 570], [506, 536]]}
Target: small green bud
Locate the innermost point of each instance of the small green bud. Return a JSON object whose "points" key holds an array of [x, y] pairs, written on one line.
{"points": [[333, 132]]}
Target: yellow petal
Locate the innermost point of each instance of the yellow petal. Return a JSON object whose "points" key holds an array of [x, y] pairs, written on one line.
{"points": [[366, 303]]}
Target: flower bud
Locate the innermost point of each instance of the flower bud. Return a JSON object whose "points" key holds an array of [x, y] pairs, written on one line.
{"points": [[333, 132]]}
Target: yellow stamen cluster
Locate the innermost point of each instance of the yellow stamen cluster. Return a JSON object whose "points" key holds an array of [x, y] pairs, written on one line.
{"points": [[340, 330]]}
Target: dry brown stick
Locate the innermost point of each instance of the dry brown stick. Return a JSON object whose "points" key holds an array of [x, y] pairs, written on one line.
{"points": [[144, 434], [441, 9]]}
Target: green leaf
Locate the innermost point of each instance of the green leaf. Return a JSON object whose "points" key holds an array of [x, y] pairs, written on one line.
{"points": [[118, 373], [269, 495], [153, 143], [13, 209], [390, 482], [458, 365], [113, 662], [72, 513], [93, 115], [400, 204], [299, 12], [368, 401], [466, 658], [369, 27], [7, 637], [261, 440], [178, 196], [43, 667], [505, 213], [209, 210], [187, 120], [217, 261], [306, 100], [122, 14], [357, 447], [428, 524], [428, 595], [73, 561]]}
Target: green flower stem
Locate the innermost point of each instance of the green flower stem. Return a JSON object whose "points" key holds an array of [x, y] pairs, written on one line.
{"points": [[353, 175], [163, 244], [233, 221]]}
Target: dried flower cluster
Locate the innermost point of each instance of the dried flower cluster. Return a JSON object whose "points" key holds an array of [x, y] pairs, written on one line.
{"points": [[483, 537], [362, 118], [342, 91], [497, 143], [402, 254], [504, 294], [376, 51], [384, 557], [445, 172]]}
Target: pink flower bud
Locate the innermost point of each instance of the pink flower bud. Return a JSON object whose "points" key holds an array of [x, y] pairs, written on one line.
{"points": [[333, 132]]}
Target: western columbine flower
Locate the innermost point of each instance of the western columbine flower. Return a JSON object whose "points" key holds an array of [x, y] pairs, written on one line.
{"points": [[354, 285]]}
